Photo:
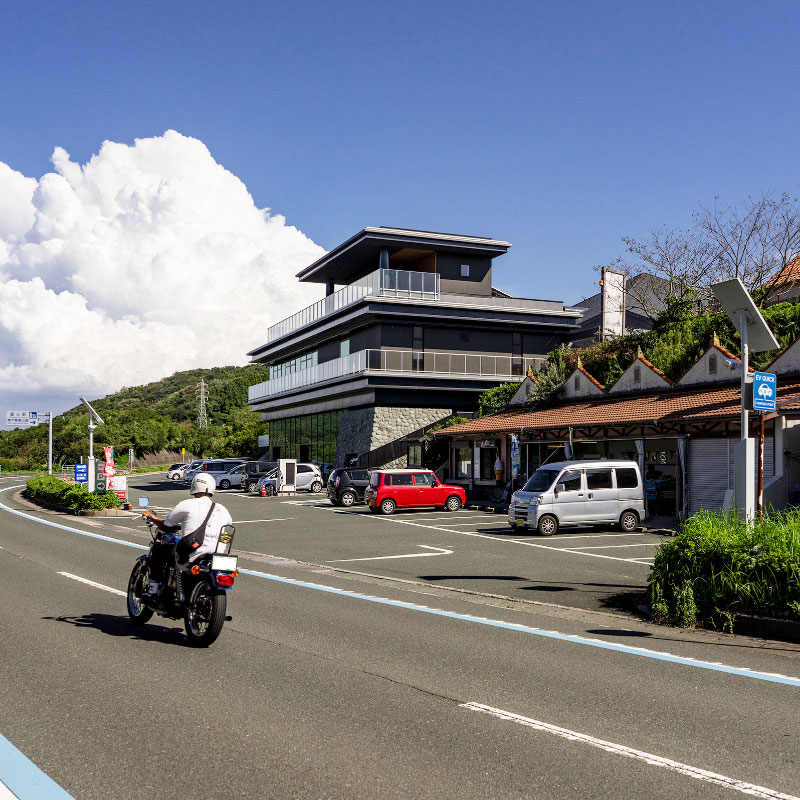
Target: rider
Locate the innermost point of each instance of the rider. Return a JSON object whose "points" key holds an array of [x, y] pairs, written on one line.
{"points": [[187, 517]]}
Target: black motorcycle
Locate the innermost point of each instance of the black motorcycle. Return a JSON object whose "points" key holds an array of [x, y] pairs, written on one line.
{"points": [[194, 592]]}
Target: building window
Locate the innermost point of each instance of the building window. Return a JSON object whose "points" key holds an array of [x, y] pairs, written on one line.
{"points": [[712, 364], [417, 346], [637, 374], [463, 459], [344, 348], [415, 455], [577, 383], [465, 270], [516, 354], [464, 336], [488, 457]]}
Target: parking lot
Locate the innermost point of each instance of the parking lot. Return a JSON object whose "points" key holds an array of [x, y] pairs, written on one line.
{"points": [[466, 550]]}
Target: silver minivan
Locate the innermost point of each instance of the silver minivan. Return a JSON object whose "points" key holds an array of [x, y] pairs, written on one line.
{"points": [[579, 493], [216, 467]]}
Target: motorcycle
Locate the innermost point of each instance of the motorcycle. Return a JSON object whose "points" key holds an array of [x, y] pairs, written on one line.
{"points": [[195, 592]]}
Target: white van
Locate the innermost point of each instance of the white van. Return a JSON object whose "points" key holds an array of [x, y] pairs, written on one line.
{"points": [[579, 493]]}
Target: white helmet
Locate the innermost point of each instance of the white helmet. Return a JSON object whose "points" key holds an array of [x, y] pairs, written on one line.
{"points": [[203, 483]]}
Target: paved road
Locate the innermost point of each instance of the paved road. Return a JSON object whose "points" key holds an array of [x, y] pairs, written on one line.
{"points": [[348, 685]]}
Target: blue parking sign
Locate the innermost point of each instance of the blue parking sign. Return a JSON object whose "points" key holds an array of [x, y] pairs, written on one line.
{"points": [[765, 391]]}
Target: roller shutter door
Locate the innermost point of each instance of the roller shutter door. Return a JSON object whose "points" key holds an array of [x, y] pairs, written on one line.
{"points": [[712, 471], [708, 475]]}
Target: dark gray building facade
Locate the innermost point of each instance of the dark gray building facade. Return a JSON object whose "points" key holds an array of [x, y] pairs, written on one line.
{"points": [[409, 332]]}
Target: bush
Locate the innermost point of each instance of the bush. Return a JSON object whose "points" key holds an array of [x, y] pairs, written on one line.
{"points": [[718, 566], [72, 495]]}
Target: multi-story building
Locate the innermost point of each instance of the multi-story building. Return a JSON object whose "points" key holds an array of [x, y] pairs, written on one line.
{"points": [[409, 332]]}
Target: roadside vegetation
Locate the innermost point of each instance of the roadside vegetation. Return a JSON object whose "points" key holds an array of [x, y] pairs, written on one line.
{"points": [[719, 566], [159, 416], [56, 492]]}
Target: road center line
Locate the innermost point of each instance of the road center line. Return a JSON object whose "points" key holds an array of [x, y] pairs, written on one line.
{"points": [[655, 761], [565, 637], [92, 583]]}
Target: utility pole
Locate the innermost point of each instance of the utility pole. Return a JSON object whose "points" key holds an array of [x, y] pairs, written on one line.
{"points": [[202, 415]]}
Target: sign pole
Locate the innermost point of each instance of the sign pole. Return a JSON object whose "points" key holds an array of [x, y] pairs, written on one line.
{"points": [[745, 366], [49, 442], [760, 465]]}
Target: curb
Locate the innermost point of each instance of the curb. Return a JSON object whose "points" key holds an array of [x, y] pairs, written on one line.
{"points": [[103, 512]]}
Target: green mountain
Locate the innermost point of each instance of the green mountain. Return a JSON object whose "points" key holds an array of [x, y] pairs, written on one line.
{"points": [[159, 416]]}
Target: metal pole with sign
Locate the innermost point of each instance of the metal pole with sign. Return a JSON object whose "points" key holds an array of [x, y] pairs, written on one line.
{"points": [[756, 336], [93, 415]]}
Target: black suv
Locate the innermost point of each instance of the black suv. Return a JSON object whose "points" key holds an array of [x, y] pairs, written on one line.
{"points": [[254, 471], [346, 486]]}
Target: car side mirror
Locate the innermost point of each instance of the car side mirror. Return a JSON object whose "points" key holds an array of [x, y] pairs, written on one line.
{"points": [[562, 487]]}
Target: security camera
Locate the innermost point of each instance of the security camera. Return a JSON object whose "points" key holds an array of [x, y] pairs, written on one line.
{"points": [[731, 364]]}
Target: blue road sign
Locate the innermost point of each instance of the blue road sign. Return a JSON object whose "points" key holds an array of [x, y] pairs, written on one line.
{"points": [[81, 473], [765, 391]]}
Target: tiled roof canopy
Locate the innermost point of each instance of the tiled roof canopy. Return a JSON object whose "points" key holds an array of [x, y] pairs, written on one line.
{"points": [[699, 403]]}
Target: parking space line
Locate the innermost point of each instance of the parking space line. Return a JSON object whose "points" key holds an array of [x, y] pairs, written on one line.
{"points": [[612, 546]]}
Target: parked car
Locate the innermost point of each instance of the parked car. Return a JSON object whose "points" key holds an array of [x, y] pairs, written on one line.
{"points": [[232, 478], [175, 472], [579, 493], [216, 467], [346, 486], [410, 488], [254, 471], [308, 478]]}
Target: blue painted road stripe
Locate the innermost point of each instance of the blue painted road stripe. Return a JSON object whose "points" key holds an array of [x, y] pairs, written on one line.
{"points": [[22, 777], [641, 652]]}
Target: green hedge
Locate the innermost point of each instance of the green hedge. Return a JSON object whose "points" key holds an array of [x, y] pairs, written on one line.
{"points": [[72, 495], [718, 566]]}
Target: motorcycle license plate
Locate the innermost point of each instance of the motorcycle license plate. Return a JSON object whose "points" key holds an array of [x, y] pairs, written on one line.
{"points": [[224, 563], [520, 523]]}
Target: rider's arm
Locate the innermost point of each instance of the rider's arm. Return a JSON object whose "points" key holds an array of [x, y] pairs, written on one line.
{"points": [[159, 522]]}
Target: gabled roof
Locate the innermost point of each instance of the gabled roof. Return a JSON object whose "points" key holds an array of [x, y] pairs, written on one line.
{"points": [[592, 380], [789, 274], [640, 359], [665, 405], [715, 345]]}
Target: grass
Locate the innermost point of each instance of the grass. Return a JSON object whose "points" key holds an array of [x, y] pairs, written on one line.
{"points": [[719, 566]]}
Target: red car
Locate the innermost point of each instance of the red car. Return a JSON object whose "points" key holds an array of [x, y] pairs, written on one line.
{"points": [[410, 488]]}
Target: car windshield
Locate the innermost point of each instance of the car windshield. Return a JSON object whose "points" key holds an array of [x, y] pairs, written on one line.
{"points": [[541, 480]]}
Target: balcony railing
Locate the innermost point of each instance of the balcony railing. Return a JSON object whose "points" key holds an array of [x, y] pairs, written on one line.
{"points": [[405, 362], [381, 283]]}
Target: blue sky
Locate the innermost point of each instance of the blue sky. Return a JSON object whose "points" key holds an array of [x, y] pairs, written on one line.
{"points": [[560, 127]]}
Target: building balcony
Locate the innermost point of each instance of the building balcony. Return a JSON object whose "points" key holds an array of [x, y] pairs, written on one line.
{"points": [[381, 283], [419, 363]]}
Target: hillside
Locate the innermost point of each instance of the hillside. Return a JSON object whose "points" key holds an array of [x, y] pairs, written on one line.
{"points": [[157, 416]]}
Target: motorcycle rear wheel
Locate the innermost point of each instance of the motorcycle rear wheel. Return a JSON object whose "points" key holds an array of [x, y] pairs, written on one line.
{"points": [[205, 615], [137, 610]]}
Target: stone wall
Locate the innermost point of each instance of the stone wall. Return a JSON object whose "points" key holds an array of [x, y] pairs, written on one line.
{"points": [[364, 429]]}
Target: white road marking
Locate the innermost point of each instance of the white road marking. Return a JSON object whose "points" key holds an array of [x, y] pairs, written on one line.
{"points": [[619, 749], [441, 551], [274, 519], [6, 793], [92, 583], [611, 546], [476, 524]]}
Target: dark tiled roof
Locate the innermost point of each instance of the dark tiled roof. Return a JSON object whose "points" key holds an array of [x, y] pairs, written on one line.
{"points": [[701, 402]]}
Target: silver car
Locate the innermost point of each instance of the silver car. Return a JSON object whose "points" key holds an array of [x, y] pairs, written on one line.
{"points": [[307, 479]]}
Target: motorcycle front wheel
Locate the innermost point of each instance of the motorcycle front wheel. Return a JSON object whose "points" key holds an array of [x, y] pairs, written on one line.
{"points": [[137, 610], [205, 615]]}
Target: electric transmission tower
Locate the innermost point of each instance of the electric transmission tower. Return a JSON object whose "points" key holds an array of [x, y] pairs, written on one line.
{"points": [[202, 414]]}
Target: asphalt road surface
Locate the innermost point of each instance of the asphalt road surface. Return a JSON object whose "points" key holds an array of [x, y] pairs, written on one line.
{"points": [[421, 672]]}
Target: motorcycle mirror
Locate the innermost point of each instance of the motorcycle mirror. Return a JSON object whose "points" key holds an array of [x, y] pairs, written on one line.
{"points": [[144, 502]]}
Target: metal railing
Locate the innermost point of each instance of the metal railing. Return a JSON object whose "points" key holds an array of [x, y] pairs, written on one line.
{"points": [[404, 362], [381, 283]]}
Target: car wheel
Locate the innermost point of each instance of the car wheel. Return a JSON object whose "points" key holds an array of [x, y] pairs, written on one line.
{"points": [[252, 486], [388, 506], [628, 521], [347, 499], [316, 487], [453, 503], [270, 490], [548, 525], [176, 477], [226, 484]]}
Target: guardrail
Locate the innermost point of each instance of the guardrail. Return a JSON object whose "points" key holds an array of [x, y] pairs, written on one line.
{"points": [[381, 283], [420, 362]]}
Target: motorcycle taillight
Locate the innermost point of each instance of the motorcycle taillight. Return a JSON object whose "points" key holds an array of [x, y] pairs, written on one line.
{"points": [[225, 580]]}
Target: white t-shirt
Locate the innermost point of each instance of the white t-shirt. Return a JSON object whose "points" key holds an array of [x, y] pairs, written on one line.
{"points": [[190, 515]]}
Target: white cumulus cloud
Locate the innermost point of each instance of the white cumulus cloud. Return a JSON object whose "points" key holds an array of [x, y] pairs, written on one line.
{"points": [[146, 260]]}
